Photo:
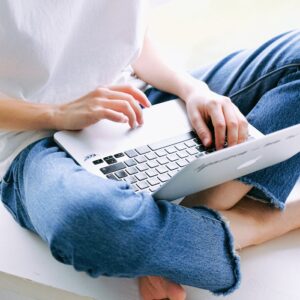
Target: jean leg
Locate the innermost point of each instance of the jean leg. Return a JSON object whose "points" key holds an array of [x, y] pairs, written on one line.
{"points": [[277, 109], [263, 83], [103, 228]]}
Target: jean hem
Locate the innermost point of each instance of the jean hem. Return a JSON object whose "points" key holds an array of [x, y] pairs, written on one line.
{"points": [[266, 195], [235, 258]]}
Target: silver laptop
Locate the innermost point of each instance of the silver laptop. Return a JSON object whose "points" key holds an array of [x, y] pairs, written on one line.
{"points": [[165, 157]]}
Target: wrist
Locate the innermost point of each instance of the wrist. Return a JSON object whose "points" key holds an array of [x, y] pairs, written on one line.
{"points": [[189, 86], [53, 117]]}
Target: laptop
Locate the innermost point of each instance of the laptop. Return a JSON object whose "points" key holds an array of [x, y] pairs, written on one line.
{"points": [[165, 157]]}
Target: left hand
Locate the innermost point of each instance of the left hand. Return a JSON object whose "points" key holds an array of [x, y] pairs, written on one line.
{"points": [[205, 106], [159, 288]]}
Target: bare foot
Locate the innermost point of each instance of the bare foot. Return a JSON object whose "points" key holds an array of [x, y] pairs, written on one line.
{"points": [[159, 288], [253, 222]]}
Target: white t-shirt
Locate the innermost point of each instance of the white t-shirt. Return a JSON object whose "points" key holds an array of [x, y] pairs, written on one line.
{"points": [[55, 51]]}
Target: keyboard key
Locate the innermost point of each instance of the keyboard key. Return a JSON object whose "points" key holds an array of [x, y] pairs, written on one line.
{"points": [[183, 154], [121, 174], [181, 146], [192, 151], [141, 159], [135, 187], [142, 167], [171, 150], [153, 181], [162, 160], [154, 188], [197, 141], [210, 150], [110, 160], [172, 166], [112, 176], [173, 157], [199, 154], [143, 150], [164, 177], [200, 148], [190, 158], [141, 176], [151, 155], [113, 168], [190, 143], [172, 141], [161, 152], [131, 153], [118, 155], [151, 173], [132, 170], [182, 163], [152, 163], [173, 173], [131, 179], [143, 184], [130, 162], [98, 161], [162, 169]]}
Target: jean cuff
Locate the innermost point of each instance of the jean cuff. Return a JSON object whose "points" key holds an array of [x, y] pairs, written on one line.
{"points": [[261, 193], [233, 255]]}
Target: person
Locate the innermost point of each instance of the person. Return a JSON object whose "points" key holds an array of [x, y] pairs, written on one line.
{"points": [[69, 64]]}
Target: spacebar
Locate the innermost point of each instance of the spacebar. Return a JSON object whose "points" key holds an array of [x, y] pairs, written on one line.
{"points": [[172, 141]]}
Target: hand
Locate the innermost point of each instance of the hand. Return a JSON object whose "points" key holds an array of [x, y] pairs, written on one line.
{"points": [[204, 107], [159, 288], [115, 103]]}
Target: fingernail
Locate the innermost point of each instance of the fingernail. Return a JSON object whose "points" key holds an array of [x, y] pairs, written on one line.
{"points": [[205, 141]]}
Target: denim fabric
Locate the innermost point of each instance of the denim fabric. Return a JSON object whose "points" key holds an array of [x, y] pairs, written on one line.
{"points": [[103, 228], [265, 84]]}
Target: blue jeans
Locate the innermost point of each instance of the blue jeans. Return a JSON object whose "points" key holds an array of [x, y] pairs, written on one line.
{"points": [[103, 228]]}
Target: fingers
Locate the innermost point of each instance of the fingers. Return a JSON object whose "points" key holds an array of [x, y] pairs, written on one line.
{"points": [[134, 92], [124, 107], [232, 123], [219, 123], [111, 115], [113, 94], [229, 123], [200, 127], [131, 101], [243, 126]]}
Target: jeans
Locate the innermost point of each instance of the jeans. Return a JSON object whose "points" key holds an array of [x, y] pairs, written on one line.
{"points": [[103, 228]]}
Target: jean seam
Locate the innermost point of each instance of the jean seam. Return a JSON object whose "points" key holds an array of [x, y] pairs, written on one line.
{"points": [[269, 73]]}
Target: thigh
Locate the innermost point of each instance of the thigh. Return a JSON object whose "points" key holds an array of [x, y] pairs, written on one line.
{"points": [[44, 185]]}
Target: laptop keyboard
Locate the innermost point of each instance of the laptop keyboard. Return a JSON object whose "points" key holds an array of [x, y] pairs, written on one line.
{"points": [[148, 167]]}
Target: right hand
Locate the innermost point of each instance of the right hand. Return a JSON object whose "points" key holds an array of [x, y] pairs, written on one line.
{"points": [[120, 103]]}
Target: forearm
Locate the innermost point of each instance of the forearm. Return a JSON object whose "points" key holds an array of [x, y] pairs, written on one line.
{"points": [[17, 115], [151, 68]]}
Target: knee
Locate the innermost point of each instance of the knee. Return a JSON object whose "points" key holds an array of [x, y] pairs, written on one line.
{"points": [[100, 234]]}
